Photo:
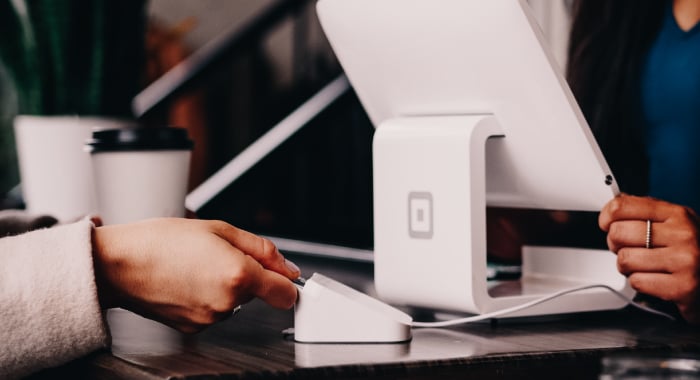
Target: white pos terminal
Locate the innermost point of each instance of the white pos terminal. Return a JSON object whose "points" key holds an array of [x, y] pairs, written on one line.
{"points": [[470, 110]]}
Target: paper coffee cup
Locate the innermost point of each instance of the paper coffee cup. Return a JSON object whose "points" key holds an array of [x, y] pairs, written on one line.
{"points": [[140, 173], [54, 168]]}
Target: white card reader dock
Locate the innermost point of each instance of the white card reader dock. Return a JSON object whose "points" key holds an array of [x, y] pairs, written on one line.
{"points": [[330, 312]]}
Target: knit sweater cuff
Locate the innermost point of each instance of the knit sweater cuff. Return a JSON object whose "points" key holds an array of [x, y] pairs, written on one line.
{"points": [[49, 308]]}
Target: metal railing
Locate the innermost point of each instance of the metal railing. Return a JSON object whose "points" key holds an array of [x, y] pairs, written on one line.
{"points": [[216, 52], [192, 69]]}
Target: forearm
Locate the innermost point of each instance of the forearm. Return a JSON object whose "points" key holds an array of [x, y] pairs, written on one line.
{"points": [[48, 301]]}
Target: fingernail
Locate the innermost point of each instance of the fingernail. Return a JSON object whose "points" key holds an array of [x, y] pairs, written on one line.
{"points": [[291, 266]]}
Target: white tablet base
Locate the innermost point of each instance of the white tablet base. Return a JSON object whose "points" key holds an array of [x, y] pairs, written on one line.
{"points": [[430, 195]]}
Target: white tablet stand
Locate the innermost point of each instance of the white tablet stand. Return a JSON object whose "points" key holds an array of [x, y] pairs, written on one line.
{"points": [[430, 192], [471, 110]]}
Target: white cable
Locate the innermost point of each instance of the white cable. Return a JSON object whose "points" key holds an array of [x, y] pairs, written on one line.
{"points": [[535, 302]]}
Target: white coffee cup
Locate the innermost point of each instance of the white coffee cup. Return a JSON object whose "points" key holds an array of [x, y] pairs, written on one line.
{"points": [[54, 167], [140, 173]]}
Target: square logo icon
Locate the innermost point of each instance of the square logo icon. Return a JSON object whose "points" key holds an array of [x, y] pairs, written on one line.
{"points": [[420, 215]]}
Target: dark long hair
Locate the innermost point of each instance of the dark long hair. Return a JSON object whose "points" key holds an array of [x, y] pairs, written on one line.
{"points": [[608, 43]]}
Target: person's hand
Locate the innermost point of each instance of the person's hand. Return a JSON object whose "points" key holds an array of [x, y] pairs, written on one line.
{"points": [[508, 229], [188, 273], [504, 234], [669, 268]]}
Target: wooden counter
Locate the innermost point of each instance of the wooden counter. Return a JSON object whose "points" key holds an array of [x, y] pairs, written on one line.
{"points": [[251, 345]]}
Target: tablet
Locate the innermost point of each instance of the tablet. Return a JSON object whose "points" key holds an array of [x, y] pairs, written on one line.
{"points": [[463, 57]]}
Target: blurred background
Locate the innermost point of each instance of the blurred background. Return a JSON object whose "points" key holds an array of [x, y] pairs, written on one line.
{"points": [[316, 186]]}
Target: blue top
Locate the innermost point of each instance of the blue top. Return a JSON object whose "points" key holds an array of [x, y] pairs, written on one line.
{"points": [[670, 89]]}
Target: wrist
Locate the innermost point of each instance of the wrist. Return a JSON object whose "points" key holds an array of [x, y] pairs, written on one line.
{"points": [[106, 293]]}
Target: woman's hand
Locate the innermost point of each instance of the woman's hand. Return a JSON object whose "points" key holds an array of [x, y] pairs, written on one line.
{"points": [[669, 268], [508, 229], [188, 273], [504, 235]]}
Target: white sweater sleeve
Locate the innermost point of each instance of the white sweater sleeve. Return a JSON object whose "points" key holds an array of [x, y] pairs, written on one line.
{"points": [[49, 311]]}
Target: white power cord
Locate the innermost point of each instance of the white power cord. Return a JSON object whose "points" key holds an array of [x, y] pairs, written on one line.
{"points": [[526, 305]]}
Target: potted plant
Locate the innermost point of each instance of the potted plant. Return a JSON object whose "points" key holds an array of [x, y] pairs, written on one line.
{"points": [[73, 65]]}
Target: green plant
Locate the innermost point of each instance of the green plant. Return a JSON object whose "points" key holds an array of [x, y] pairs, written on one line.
{"points": [[66, 57], [9, 175], [73, 56]]}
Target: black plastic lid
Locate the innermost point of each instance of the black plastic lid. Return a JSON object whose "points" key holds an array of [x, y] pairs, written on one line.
{"points": [[140, 138]]}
